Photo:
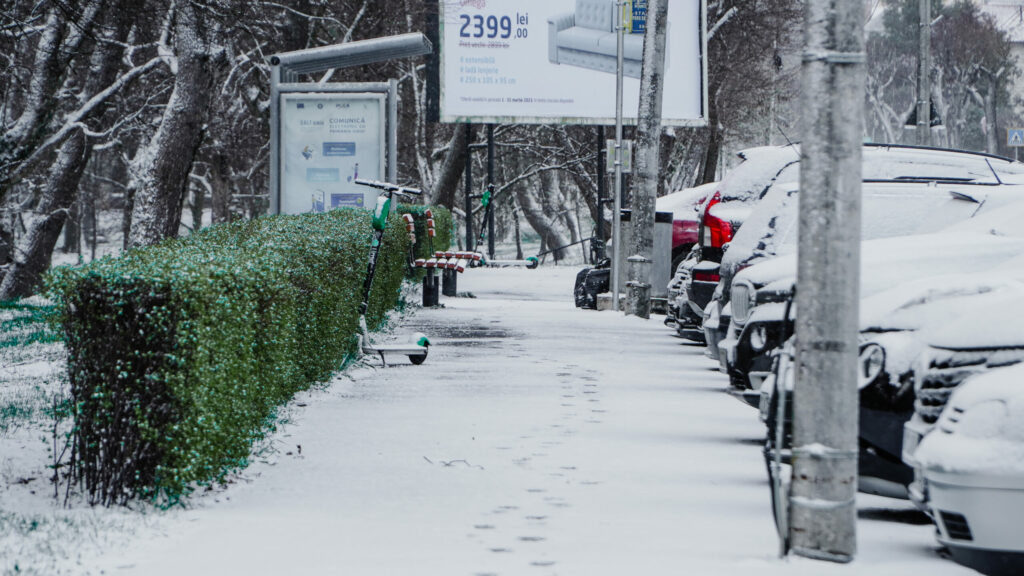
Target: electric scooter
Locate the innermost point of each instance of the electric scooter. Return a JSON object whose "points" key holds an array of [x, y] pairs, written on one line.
{"points": [[416, 348], [486, 201]]}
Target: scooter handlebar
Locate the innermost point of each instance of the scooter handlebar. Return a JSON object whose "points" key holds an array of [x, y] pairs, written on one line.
{"points": [[389, 187]]}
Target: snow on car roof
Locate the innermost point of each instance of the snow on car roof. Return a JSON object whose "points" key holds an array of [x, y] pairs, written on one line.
{"points": [[684, 201], [889, 260]]}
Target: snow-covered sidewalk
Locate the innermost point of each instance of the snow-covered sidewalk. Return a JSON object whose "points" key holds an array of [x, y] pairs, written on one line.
{"points": [[536, 439]]}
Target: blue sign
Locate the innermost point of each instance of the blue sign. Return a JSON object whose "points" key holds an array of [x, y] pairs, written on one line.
{"points": [[339, 148], [639, 17], [351, 200], [323, 175], [1015, 137]]}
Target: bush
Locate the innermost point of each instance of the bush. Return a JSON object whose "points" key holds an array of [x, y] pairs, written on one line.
{"points": [[179, 353]]}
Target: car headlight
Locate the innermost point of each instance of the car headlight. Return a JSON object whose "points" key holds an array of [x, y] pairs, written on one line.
{"points": [[870, 364], [759, 337]]}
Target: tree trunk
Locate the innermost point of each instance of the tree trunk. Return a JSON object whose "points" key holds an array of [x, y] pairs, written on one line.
{"points": [[539, 221], [451, 171], [72, 229], [991, 133], [648, 156], [34, 250], [220, 197], [161, 168]]}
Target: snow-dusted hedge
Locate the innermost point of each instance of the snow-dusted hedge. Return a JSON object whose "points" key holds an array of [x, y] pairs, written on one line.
{"points": [[179, 353]]}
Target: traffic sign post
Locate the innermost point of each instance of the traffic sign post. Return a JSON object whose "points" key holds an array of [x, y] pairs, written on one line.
{"points": [[1015, 140]]}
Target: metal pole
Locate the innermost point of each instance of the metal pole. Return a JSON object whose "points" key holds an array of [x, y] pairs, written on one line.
{"points": [[469, 186], [617, 215], [822, 508], [601, 180], [924, 98], [490, 184], [275, 139], [392, 170]]}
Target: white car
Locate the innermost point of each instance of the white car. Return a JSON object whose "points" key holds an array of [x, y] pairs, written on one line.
{"points": [[972, 466]]}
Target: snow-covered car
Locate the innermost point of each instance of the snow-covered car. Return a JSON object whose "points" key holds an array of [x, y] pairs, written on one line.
{"points": [[685, 206], [894, 324], [720, 217], [901, 242], [767, 217], [972, 471]]}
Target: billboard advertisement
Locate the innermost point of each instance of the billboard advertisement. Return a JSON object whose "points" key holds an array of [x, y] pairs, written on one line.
{"points": [[555, 61], [327, 141]]}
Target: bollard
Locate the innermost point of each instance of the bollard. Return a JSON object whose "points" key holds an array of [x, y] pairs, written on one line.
{"points": [[448, 282], [430, 297]]}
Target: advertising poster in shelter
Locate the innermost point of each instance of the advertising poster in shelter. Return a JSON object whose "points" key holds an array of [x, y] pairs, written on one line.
{"points": [[327, 141], [555, 61]]}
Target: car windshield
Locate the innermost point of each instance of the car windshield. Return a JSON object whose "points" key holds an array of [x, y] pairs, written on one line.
{"points": [[886, 211]]}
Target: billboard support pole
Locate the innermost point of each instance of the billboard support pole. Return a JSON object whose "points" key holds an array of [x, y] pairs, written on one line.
{"points": [[620, 30], [600, 190], [469, 186], [275, 139], [490, 186]]}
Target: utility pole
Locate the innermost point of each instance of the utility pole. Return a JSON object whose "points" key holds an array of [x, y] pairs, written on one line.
{"points": [[822, 505], [647, 160], [924, 83], [620, 30]]}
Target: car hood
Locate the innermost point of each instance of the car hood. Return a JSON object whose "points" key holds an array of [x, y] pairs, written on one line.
{"points": [[997, 322], [921, 302]]}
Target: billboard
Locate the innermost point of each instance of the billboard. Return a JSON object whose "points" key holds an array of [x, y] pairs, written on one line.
{"points": [[327, 141], [554, 61]]}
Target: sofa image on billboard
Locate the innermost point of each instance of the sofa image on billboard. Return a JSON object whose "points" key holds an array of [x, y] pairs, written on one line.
{"points": [[586, 38]]}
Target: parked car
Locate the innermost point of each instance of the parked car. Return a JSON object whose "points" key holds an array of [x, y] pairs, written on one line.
{"points": [[894, 217], [685, 206], [970, 466], [719, 216], [893, 325], [756, 239]]}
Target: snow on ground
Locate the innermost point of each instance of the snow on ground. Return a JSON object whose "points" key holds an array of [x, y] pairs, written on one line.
{"points": [[536, 439]]}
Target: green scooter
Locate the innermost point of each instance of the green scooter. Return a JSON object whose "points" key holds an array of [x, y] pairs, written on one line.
{"points": [[416, 347]]}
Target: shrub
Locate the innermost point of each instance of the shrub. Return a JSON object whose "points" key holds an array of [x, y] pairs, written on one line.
{"points": [[179, 353]]}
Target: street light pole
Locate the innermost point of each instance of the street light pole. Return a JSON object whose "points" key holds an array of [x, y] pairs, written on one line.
{"points": [[620, 30], [924, 96], [822, 505]]}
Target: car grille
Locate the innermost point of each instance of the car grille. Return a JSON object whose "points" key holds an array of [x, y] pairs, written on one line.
{"points": [[956, 525], [948, 368], [740, 303]]}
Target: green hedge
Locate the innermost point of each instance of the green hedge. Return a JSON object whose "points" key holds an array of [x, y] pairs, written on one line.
{"points": [[179, 353]]}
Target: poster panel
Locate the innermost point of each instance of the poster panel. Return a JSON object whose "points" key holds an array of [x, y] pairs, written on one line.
{"points": [[554, 61], [327, 141]]}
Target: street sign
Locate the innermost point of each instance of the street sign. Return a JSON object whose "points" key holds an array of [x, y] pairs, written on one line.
{"points": [[638, 17], [1015, 137]]}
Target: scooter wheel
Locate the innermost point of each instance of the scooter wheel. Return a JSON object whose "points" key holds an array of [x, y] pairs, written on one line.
{"points": [[418, 358]]}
